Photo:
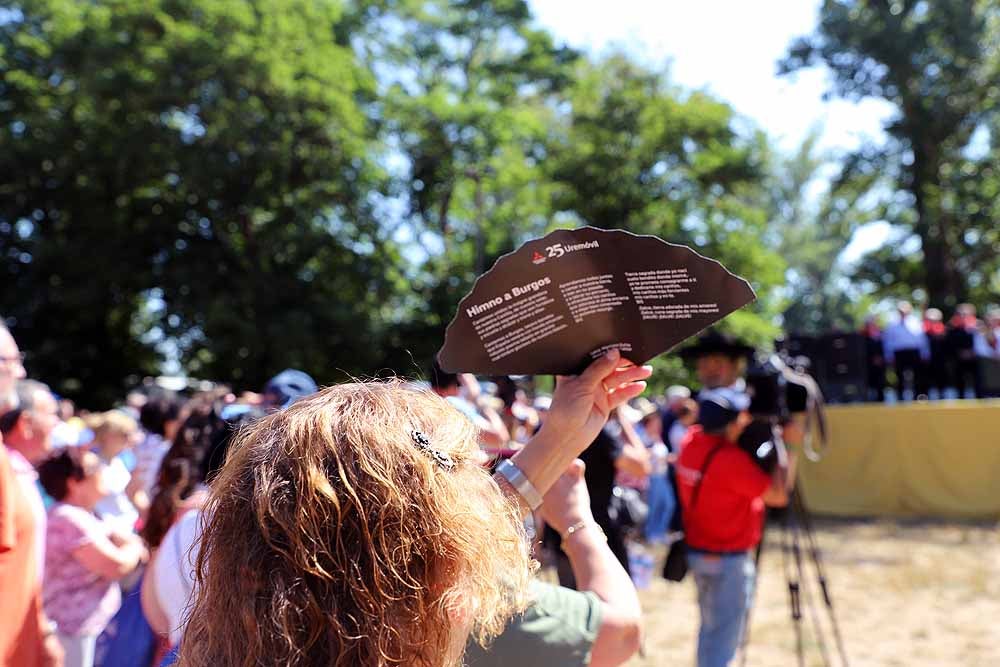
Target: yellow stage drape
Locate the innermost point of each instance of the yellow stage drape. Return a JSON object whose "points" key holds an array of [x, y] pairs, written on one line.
{"points": [[937, 459]]}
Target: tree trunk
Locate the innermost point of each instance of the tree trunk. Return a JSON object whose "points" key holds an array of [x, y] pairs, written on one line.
{"points": [[944, 286]]}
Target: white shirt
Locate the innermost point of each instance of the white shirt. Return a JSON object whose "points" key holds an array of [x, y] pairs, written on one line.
{"points": [[739, 386], [465, 407], [981, 346], [907, 334], [173, 572], [658, 453], [115, 508]]}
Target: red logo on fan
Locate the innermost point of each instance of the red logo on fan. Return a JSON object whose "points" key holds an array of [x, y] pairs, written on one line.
{"points": [[537, 258]]}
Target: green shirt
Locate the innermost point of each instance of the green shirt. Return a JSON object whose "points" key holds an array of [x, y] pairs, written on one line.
{"points": [[559, 628]]}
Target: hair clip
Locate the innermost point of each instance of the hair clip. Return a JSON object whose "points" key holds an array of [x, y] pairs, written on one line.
{"points": [[423, 443]]}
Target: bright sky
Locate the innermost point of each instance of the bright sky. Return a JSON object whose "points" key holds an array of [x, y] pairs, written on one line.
{"points": [[730, 48]]}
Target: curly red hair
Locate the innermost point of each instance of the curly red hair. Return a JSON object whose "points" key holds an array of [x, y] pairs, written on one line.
{"points": [[331, 538]]}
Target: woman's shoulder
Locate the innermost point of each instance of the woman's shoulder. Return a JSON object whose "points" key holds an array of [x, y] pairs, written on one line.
{"points": [[185, 532], [71, 522], [66, 513]]}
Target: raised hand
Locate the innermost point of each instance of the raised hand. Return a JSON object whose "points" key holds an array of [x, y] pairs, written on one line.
{"points": [[580, 407], [581, 404]]}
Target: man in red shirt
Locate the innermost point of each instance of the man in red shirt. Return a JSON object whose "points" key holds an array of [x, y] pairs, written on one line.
{"points": [[723, 494]]}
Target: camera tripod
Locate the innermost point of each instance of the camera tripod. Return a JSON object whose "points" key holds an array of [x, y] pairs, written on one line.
{"points": [[795, 522]]}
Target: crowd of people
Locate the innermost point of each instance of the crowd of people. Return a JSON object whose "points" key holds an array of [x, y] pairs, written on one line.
{"points": [[931, 358], [373, 523]]}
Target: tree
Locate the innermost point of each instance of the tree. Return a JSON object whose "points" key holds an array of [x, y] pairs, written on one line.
{"points": [[194, 171], [937, 63], [811, 231], [466, 97], [250, 186], [633, 153]]}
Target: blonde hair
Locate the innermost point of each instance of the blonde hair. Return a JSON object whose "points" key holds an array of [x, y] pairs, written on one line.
{"points": [[112, 421], [331, 538]]}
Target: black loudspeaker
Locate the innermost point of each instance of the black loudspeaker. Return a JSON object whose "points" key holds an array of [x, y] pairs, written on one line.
{"points": [[845, 373], [799, 346], [989, 372], [838, 362]]}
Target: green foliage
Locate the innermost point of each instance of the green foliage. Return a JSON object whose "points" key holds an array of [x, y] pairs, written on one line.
{"points": [[250, 186], [937, 63], [214, 152], [466, 91], [635, 154], [812, 230]]}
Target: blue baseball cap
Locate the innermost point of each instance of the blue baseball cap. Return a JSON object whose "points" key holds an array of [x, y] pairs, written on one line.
{"points": [[719, 407], [288, 386]]}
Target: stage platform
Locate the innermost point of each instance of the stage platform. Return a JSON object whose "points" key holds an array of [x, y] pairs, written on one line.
{"points": [[927, 459]]}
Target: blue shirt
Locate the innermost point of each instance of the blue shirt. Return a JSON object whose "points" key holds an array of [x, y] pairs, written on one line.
{"points": [[907, 334]]}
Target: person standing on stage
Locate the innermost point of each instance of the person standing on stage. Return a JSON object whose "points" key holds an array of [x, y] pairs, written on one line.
{"points": [[960, 341], [875, 358], [937, 366], [907, 349], [987, 347]]}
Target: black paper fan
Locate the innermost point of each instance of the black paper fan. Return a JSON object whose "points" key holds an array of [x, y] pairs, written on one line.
{"points": [[558, 302]]}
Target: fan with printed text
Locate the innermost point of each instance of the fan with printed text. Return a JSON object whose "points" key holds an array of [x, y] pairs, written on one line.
{"points": [[558, 302]]}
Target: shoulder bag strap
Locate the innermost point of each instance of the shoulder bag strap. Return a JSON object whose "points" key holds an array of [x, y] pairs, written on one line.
{"points": [[701, 478]]}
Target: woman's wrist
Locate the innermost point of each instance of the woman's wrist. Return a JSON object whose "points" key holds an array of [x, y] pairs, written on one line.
{"points": [[585, 533], [543, 459], [570, 526]]}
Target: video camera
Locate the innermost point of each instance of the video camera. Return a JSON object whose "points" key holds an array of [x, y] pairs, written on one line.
{"points": [[781, 388]]}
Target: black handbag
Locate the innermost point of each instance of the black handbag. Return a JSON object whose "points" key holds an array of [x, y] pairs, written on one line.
{"points": [[675, 568], [627, 509]]}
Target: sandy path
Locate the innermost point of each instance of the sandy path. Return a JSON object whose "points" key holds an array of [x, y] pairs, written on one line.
{"points": [[906, 593]]}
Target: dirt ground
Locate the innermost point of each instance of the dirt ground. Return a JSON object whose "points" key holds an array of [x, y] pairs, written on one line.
{"points": [[905, 592]]}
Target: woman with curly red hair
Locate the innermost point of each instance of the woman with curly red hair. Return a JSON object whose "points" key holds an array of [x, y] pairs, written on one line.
{"points": [[355, 527]]}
